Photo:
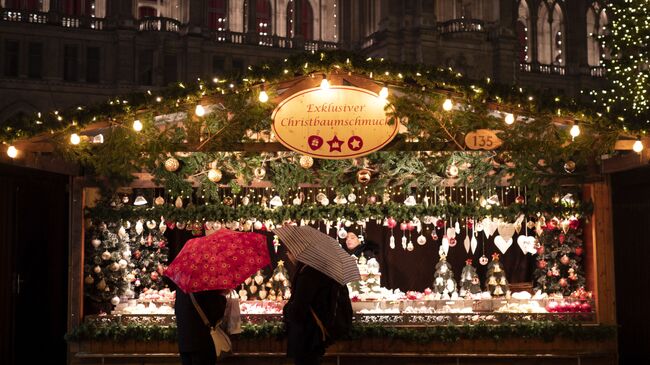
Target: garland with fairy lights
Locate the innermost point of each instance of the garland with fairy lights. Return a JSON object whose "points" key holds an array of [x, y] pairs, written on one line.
{"points": [[439, 107]]}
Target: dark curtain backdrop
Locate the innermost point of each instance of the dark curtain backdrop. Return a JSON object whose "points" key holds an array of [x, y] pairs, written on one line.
{"points": [[411, 270], [631, 209]]}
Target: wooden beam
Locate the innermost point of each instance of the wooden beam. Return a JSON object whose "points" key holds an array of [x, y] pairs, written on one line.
{"points": [[76, 253], [626, 162], [599, 247], [46, 162]]}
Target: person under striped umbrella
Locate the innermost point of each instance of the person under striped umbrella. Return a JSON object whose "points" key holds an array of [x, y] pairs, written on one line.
{"points": [[320, 251]]}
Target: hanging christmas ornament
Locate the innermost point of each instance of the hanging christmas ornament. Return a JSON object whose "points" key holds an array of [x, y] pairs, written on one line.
{"points": [[352, 197], [409, 246], [451, 171], [214, 175], [421, 240], [172, 164], [114, 267], [306, 162], [320, 197], [372, 199], [410, 201], [115, 300], [569, 166], [564, 260], [179, 202], [162, 227], [457, 227], [391, 222], [342, 233], [259, 172], [275, 202], [297, 201], [126, 254], [391, 242], [520, 199], [159, 201], [89, 280], [340, 200], [139, 227], [483, 260], [363, 176], [122, 263], [228, 200], [106, 255], [180, 225], [257, 225], [245, 200], [434, 235], [404, 242], [97, 269], [96, 242], [151, 224]]}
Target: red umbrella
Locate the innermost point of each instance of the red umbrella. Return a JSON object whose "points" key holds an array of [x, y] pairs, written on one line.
{"points": [[222, 260]]}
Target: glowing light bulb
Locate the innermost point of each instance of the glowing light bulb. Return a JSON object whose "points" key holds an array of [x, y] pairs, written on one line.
{"points": [[448, 105], [264, 97], [325, 84], [137, 125], [75, 139], [12, 152], [636, 147], [199, 111], [575, 131], [510, 118], [383, 93]]}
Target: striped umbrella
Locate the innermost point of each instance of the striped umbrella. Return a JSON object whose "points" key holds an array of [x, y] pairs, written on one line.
{"points": [[320, 251]]}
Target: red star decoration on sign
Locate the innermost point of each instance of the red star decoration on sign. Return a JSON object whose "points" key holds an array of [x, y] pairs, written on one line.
{"points": [[335, 144]]}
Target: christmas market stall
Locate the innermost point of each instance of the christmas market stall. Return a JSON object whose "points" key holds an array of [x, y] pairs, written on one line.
{"points": [[479, 214]]}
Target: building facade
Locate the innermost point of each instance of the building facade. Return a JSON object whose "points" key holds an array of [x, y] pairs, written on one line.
{"points": [[60, 53]]}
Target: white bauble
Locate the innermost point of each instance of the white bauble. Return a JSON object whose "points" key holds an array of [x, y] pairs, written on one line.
{"points": [[122, 263], [97, 269], [421, 240], [115, 300], [342, 233], [96, 242], [257, 225]]}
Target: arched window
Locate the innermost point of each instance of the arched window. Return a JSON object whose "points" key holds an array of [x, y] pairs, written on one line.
{"points": [[550, 34], [263, 17], [305, 19], [218, 15], [596, 27], [523, 30]]}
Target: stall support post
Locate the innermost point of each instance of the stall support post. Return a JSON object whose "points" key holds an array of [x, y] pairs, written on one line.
{"points": [[76, 252], [599, 244]]}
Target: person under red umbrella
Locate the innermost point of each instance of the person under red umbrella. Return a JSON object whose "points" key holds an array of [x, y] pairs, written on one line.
{"points": [[204, 271]]}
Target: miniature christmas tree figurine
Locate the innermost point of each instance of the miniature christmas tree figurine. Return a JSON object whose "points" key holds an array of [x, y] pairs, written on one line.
{"points": [[444, 284], [497, 284], [469, 282], [280, 283]]}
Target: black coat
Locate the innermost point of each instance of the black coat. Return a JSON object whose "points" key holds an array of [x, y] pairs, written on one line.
{"points": [[193, 334], [310, 289], [369, 250]]}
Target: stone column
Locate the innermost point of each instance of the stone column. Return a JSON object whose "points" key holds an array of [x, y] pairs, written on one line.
{"points": [[197, 23]]}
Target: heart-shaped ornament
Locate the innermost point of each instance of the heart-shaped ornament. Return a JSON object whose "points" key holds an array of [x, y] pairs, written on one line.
{"points": [[315, 142], [518, 223], [506, 230], [526, 244], [502, 244]]}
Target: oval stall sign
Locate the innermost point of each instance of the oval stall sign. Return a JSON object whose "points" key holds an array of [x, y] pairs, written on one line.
{"points": [[336, 123]]}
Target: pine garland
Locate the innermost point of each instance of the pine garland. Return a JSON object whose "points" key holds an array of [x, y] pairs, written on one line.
{"points": [[352, 212], [535, 330]]}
